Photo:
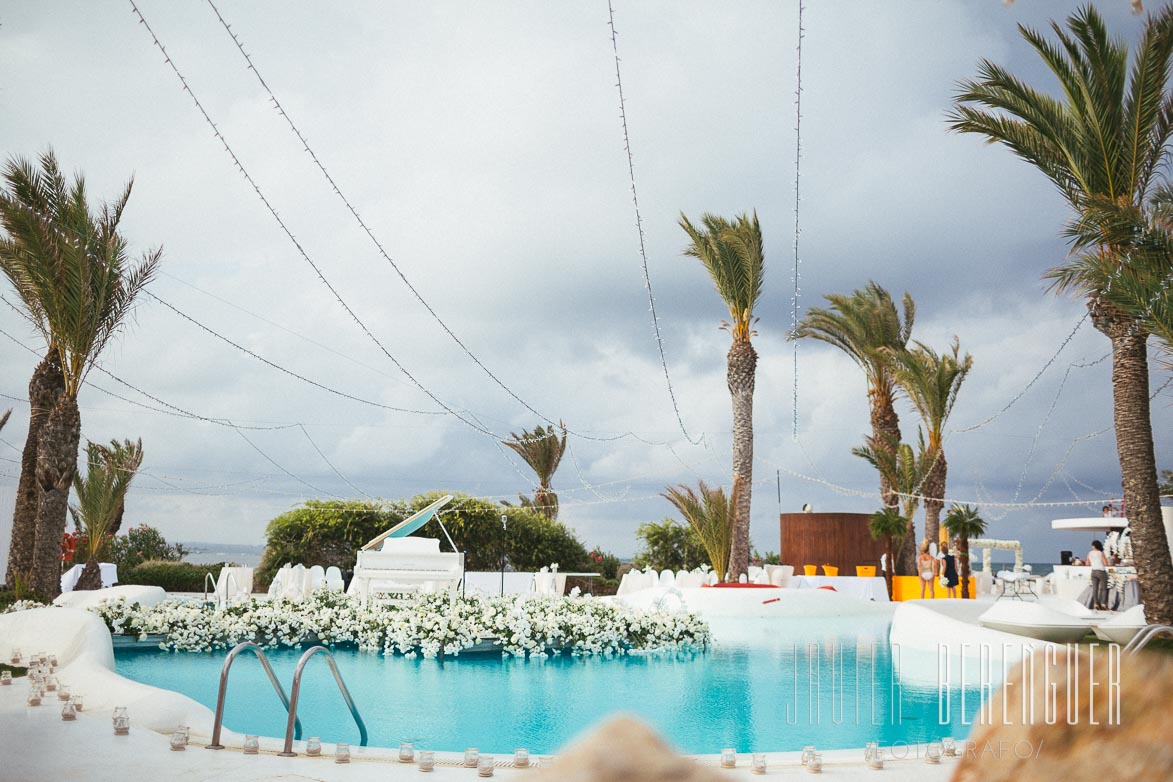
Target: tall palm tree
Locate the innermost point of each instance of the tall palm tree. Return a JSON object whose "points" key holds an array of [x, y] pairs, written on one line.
{"points": [[711, 514], [963, 523], [1104, 140], [101, 500], [733, 254], [889, 524], [542, 450], [28, 236], [866, 326], [931, 382], [71, 269], [902, 468]]}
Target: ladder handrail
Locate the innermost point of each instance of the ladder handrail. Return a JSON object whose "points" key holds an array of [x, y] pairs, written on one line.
{"points": [[1146, 634], [207, 578], [288, 752], [219, 722]]}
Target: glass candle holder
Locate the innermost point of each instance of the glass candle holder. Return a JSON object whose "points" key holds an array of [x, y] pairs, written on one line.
{"points": [[52, 661], [122, 725], [758, 765], [78, 702], [50, 683], [933, 753], [406, 752], [485, 766], [119, 711], [34, 698], [313, 746], [186, 731], [5, 678], [728, 758], [470, 757], [521, 758], [16, 657], [342, 753], [427, 760], [68, 713], [948, 747], [814, 764], [63, 693], [178, 741], [807, 751], [252, 745]]}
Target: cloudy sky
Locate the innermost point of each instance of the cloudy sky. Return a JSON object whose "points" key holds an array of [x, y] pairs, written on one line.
{"points": [[482, 145]]}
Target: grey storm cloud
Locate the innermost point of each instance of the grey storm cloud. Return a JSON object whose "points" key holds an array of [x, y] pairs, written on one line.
{"points": [[482, 144]]}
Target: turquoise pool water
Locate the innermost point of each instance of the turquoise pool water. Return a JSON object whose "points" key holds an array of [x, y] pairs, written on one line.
{"points": [[837, 692]]}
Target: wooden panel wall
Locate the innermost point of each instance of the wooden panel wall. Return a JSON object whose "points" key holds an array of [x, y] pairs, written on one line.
{"points": [[839, 539]]}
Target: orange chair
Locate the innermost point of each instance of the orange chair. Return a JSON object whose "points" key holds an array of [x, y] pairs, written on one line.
{"points": [[865, 571], [810, 570], [830, 570]]}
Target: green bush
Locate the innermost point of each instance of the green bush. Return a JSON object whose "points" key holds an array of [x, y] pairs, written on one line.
{"points": [[141, 544], [669, 545], [172, 576], [10, 596], [330, 533]]}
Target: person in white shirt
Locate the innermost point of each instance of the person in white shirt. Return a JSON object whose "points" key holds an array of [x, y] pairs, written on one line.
{"points": [[1099, 564]]}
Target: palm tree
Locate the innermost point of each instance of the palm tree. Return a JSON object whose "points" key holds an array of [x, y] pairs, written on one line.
{"points": [[902, 468], [712, 516], [889, 524], [70, 268], [866, 325], [542, 450], [101, 500], [963, 522], [4, 418], [931, 382], [733, 254], [1103, 141]]}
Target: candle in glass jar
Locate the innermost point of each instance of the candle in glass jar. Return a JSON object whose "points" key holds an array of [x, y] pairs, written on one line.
{"points": [[728, 758], [252, 745], [313, 746], [470, 757], [342, 753], [758, 765], [521, 758], [406, 752], [485, 766], [427, 760]]}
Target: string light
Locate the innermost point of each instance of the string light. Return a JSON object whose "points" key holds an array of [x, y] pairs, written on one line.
{"points": [[797, 178], [639, 226]]}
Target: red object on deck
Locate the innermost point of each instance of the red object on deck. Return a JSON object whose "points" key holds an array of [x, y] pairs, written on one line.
{"points": [[772, 600], [741, 586], [829, 588]]}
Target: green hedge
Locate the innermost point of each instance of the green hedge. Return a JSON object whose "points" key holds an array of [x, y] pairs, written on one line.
{"points": [[329, 533], [172, 576]]}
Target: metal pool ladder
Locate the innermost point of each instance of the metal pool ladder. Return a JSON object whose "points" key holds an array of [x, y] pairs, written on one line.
{"points": [[288, 752], [1148, 633], [219, 723]]}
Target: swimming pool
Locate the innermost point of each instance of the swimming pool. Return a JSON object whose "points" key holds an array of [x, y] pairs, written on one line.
{"points": [[826, 683]]}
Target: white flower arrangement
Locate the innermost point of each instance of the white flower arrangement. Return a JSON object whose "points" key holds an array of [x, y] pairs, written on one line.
{"points": [[428, 625]]}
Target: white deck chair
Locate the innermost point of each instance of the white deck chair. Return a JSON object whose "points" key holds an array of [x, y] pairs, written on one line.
{"points": [[683, 579], [294, 586], [780, 575], [317, 579], [277, 585], [545, 583], [667, 579], [334, 581]]}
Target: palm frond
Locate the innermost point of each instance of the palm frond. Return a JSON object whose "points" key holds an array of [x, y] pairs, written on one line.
{"points": [[542, 449], [733, 254], [711, 515]]}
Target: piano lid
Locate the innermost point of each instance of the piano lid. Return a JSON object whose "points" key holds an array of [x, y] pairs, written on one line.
{"points": [[410, 524]]}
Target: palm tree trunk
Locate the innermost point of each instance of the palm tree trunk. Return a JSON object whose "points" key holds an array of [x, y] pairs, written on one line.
{"points": [[888, 571], [933, 490], [963, 549], [45, 388], [742, 362], [91, 576], [1134, 448], [56, 465], [885, 431]]}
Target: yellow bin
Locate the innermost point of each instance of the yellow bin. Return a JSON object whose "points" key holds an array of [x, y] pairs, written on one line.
{"points": [[830, 570], [865, 571], [810, 570]]}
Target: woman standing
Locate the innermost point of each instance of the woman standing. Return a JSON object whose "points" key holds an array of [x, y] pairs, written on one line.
{"points": [[1099, 565], [949, 575], [926, 566]]}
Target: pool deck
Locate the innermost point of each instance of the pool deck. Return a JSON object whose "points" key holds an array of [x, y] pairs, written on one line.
{"points": [[39, 745]]}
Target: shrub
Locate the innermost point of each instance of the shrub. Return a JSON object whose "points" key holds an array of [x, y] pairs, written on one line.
{"points": [[10, 596], [141, 544], [606, 563], [172, 576], [669, 545]]}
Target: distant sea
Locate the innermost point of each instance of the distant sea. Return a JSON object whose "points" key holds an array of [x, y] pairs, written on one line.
{"points": [[207, 553]]}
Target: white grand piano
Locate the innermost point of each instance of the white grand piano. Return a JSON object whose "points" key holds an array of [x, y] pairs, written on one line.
{"points": [[394, 564]]}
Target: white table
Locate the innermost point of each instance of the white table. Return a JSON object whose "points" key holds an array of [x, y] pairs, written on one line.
{"points": [[853, 586]]}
